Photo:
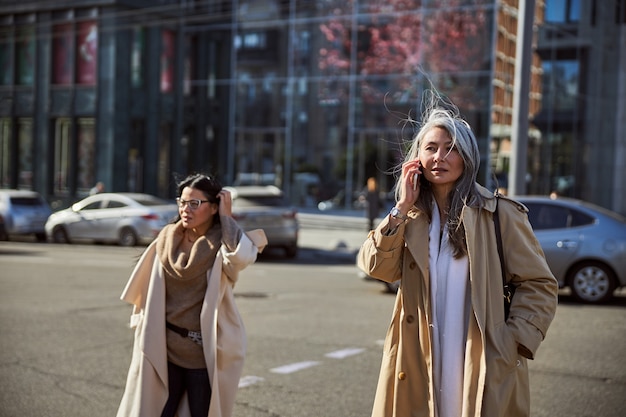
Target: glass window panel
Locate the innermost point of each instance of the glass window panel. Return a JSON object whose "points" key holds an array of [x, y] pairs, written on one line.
{"points": [[555, 11], [334, 50], [87, 53], [167, 61], [163, 180], [6, 58], [61, 166], [562, 11], [189, 74], [5, 152], [25, 153], [86, 154], [457, 40], [330, 7], [137, 57], [62, 54], [25, 39], [560, 83], [260, 101], [574, 11]]}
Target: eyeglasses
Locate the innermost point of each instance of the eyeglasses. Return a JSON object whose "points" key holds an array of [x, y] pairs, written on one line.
{"points": [[193, 204]]}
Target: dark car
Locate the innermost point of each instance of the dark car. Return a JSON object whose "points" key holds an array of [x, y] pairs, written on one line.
{"points": [[264, 207], [23, 212]]}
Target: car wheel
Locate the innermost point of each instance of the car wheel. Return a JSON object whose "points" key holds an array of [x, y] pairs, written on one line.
{"points": [[291, 251], [128, 237], [59, 235], [592, 282]]}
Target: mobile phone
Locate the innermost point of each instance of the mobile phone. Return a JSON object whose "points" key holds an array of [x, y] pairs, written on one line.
{"points": [[416, 176]]}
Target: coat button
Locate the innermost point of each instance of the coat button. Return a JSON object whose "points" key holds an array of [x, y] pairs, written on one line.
{"points": [[410, 318], [412, 265], [401, 376]]}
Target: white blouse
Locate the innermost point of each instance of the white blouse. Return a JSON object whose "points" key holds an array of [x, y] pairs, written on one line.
{"points": [[450, 314]]}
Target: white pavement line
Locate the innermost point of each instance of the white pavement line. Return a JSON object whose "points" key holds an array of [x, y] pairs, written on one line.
{"points": [[246, 381], [294, 367], [344, 353]]}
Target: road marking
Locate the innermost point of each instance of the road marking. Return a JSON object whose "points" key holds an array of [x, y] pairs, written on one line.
{"points": [[249, 380], [246, 381], [344, 353], [294, 367]]}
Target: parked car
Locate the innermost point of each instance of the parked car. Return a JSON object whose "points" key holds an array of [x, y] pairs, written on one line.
{"points": [[127, 219], [584, 244], [23, 212], [264, 207]]}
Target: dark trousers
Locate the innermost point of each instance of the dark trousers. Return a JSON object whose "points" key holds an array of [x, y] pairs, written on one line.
{"points": [[195, 382]]}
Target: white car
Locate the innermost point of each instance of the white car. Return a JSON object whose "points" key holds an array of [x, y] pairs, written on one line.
{"points": [[127, 219]]}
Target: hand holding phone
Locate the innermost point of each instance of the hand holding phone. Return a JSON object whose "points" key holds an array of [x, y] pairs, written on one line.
{"points": [[416, 176]]}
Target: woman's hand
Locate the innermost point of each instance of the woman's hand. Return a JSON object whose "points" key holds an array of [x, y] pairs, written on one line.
{"points": [[226, 203], [409, 185]]}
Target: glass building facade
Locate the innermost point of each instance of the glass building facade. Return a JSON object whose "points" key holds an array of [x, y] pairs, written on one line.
{"points": [[313, 96]]}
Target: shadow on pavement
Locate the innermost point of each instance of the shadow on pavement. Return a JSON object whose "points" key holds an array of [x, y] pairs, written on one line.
{"points": [[618, 300]]}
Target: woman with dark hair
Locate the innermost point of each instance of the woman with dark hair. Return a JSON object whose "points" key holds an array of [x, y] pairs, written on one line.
{"points": [[450, 351], [182, 293]]}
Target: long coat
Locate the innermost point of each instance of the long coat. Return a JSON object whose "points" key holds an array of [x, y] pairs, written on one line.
{"points": [[223, 333], [496, 379]]}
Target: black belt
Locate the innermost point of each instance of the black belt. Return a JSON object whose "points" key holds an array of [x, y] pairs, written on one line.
{"points": [[195, 337]]}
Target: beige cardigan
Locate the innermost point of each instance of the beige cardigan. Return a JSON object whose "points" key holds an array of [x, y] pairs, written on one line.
{"points": [[146, 386]]}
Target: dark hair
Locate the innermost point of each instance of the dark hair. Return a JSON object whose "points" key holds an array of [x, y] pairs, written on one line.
{"points": [[209, 186]]}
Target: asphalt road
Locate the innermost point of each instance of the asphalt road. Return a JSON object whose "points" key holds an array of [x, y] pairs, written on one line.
{"points": [[314, 331]]}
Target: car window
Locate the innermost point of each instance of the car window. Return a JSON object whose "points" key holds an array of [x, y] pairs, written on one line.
{"points": [[578, 218], [92, 206], [260, 200], [551, 216], [115, 204], [26, 201]]}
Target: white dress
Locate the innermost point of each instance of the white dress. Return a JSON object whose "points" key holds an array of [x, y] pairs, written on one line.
{"points": [[450, 310]]}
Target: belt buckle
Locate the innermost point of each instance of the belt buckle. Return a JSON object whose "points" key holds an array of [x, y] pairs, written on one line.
{"points": [[195, 337]]}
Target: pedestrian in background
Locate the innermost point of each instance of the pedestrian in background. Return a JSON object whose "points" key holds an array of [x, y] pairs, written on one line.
{"points": [[449, 350], [97, 189], [374, 202], [189, 337]]}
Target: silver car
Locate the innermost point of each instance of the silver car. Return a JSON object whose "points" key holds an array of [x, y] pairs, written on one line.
{"points": [[23, 212], [127, 219], [264, 207], [584, 244]]}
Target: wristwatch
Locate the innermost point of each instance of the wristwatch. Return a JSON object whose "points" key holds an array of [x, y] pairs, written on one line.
{"points": [[396, 214]]}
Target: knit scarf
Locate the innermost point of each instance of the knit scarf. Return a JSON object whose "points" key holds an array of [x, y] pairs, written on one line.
{"points": [[180, 264]]}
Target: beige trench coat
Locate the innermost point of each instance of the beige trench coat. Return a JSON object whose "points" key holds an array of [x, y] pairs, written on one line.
{"points": [[495, 375], [224, 340]]}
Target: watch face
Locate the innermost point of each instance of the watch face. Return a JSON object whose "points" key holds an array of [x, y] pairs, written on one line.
{"points": [[396, 213]]}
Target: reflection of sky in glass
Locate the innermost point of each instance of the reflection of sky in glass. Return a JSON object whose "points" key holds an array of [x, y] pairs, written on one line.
{"points": [[561, 11], [561, 82]]}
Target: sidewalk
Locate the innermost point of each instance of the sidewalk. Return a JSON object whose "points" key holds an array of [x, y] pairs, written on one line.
{"points": [[337, 234]]}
